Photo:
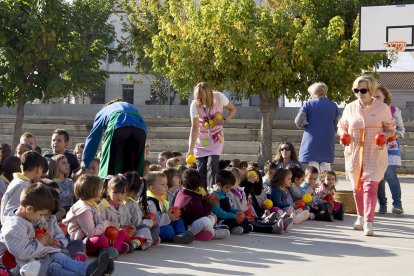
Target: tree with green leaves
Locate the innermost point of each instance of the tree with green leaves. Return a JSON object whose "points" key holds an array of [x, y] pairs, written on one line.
{"points": [[49, 49], [274, 48]]}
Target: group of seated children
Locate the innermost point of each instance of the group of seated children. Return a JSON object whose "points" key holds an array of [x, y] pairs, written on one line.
{"points": [[66, 220]]}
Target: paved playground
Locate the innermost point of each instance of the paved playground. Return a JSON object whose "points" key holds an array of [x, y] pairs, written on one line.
{"points": [[312, 248]]}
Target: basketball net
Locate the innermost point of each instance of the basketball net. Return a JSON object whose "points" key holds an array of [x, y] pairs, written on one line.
{"points": [[394, 48]]}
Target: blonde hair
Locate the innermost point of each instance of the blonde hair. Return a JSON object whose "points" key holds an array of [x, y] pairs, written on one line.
{"points": [[203, 95], [53, 165], [318, 89], [370, 81], [152, 176]]}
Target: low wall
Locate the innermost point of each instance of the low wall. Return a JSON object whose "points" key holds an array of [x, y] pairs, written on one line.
{"points": [[283, 113]]}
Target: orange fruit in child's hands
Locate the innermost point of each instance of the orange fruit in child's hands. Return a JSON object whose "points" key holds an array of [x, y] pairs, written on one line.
{"points": [[329, 198], [40, 233], [300, 204], [150, 216], [175, 211], [267, 204], [240, 216], [307, 198], [130, 230], [249, 215], [191, 159], [111, 233], [63, 228]]}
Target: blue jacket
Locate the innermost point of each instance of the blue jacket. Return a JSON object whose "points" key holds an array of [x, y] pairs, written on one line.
{"points": [[101, 122], [219, 212], [280, 198]]}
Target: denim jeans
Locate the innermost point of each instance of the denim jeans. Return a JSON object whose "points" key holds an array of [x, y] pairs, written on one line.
{"points": [[63, 265], [167, 232], [394, 183]]}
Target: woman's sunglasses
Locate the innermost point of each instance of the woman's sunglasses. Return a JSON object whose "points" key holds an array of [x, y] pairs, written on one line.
{"points": [[362, 91], [285, 149]]}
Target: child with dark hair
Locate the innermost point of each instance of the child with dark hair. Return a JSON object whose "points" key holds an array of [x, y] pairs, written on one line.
{"points": [[326, 191], [173, 183], [269, 170], [55, 233], [320, 210], [172, 228], [147, 165], [59, 144], [242, 166], [232, 217], [196, 208], [22, 148], [113, 209], [11, 165], [31, 170], [136, 202], [163, 157], [33, 254], [223, 164]]}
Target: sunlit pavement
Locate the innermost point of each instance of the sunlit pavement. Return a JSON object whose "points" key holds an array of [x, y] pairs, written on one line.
{"points": [[311, 248]]}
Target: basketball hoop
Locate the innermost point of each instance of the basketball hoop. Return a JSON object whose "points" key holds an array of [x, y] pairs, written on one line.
{"points": [[394, 48]]}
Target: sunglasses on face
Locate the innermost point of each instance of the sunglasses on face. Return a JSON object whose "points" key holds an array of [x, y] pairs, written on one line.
{"points": [[362, 91], [285, 149]]}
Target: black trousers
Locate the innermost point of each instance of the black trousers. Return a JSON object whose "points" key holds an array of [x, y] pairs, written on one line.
{"points": [[127, 150]]}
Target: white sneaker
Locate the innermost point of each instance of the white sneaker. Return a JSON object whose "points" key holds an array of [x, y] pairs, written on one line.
{"points": [[368, 229], [220, 234], [359, 223], [238, 230]]}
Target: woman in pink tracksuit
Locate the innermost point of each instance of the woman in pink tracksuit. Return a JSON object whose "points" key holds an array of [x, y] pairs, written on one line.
{"points": [[365, 162]]}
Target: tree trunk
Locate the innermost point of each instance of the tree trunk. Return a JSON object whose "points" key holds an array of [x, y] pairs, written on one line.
{"points": [[268, 107], [19, 118]]}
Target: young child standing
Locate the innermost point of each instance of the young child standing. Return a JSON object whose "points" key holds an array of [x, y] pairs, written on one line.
{"points": [[171, 225], [136, 202], [232, 217], [31, 170], [59, 171], [173, 183], [83, 219], [196, 208], [113, 209], [59, 144], [18, 237]]}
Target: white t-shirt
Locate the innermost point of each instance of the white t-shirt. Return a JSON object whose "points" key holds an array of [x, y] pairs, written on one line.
{"points": [[193, 106]]}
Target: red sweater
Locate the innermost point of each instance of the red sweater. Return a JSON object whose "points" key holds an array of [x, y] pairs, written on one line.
{"points": [[193, 206]]}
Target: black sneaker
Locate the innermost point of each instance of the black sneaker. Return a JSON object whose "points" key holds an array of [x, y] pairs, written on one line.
{"points": [[184, 238], [99, 265], [382, 209], [330, 212], [339, 215], [111, 267]]}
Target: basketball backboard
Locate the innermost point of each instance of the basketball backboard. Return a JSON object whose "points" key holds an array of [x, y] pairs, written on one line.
{"points": [[385, 23]]}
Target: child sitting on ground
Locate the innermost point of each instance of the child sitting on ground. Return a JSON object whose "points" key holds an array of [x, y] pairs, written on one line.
{"points": [[326, 191], [234, 218], [59, 171], [113, 209], [35, 256], [321, 210], [196, 209], [269, 170], [173, 183], [172, 227], [31, 170], [136, 202], [55, 233], [10, 166], [83, 219]]}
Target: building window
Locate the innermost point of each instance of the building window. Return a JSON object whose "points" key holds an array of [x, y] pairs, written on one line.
{"points": [[128, 93], [236, 100], [97, 95]]}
